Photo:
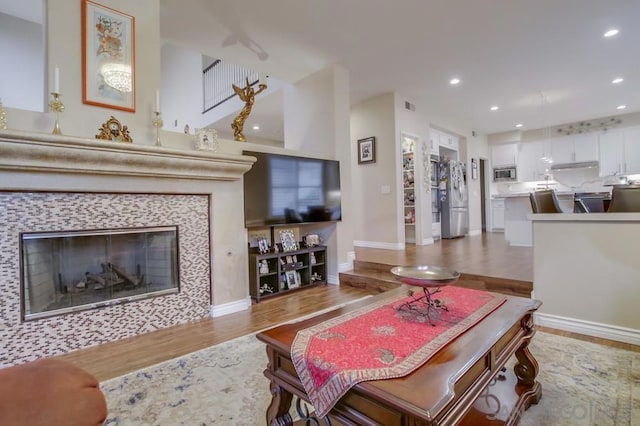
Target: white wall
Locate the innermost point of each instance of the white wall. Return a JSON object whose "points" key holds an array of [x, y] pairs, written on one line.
{"points": [[413, 123], [64, 49], [181, 93], [22, 72], [378, 223]]}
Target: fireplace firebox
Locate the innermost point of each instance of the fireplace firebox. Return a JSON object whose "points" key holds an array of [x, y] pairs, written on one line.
{"points": [[70, 271]]}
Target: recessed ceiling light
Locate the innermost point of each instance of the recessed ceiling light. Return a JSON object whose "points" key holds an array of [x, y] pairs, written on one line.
{"points": [[519, 125], [256, 127], [494, 108], [617, 80], [611, 32], [621, 107], [454, 81]]}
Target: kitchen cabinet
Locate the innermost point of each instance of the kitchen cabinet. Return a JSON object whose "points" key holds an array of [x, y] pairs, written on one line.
{"points": [[631, 139], [449, 141], [442, 139], [533, 160], [504, 154], [497, 215], [434, 142], [611, 152], [575, 148]]}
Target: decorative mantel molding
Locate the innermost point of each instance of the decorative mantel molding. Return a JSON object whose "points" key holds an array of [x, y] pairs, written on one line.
{"points": [[25, 151]]}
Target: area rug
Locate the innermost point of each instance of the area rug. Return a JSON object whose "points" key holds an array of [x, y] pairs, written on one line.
{"points": [[582, 384], [393, 337]]}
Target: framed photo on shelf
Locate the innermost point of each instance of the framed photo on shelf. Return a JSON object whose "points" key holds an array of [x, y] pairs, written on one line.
{"points": [[312, 240], [367, 150], [288, 240], [263, 245], [108, 57], [292, 279]]}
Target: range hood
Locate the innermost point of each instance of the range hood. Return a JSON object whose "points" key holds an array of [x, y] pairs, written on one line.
{"points": [[572, 166]]}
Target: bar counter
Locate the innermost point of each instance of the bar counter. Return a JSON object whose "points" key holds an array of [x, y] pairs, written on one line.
{"points": [[587, 273]]}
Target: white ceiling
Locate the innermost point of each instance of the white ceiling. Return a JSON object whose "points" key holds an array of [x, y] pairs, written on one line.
{"points": [[506, 52]]}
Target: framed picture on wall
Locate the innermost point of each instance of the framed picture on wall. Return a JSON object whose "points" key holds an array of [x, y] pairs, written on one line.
{"points": [[108, 57], [367, 150]]}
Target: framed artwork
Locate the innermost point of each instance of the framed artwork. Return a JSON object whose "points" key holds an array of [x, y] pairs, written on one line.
{"points": [[288, 240], [206, 140], [367, 150], [108, 57], [474, 168]]}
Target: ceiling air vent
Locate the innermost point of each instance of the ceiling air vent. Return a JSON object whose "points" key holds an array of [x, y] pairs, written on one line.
{"points": [[409, 106]]}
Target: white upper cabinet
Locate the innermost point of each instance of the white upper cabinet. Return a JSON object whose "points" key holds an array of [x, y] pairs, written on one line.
{"points": [[631, 136], [533, 160], [610, 144], [575, 148], [438, 139], [434, 142], [504, 154]]}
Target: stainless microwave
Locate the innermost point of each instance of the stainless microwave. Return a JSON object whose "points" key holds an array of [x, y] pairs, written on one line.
{"points": [[505, 174]]}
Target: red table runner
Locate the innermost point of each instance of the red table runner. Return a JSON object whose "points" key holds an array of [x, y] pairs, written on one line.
{"points": [[379, 342]]}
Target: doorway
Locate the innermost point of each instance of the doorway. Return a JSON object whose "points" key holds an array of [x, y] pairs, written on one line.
{"points": [[483, 194]]}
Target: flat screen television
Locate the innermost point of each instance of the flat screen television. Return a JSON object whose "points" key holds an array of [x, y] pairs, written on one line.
{"points": [[282, 189]]}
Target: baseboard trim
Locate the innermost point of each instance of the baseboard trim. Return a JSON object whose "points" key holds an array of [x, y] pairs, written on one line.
{"points": [[588, 328], [475, 232], [333, 279], [428, 241], [230, 308], [379, 245]]}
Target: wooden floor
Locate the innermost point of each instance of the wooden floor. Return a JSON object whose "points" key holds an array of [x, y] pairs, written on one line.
{"points": [[486, 254]]}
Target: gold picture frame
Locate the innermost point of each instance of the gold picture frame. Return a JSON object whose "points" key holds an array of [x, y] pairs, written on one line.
{"points": [[108, 57]]}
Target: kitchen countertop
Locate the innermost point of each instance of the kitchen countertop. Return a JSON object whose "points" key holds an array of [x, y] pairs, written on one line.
{"points": [[584, 217], [526, 194]]}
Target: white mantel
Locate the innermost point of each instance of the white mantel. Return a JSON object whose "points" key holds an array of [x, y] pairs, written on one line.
{"points": [[41, 152]]}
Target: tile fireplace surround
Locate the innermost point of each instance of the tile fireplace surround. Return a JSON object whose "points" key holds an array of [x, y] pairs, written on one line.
{"points": [[60, 183]]}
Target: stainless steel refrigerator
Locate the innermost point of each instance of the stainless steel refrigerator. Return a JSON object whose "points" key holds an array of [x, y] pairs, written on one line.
{"points": [[452, 191]]}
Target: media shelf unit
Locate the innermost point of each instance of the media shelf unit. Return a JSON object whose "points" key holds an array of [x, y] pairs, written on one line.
{"points": [[287, 271]]}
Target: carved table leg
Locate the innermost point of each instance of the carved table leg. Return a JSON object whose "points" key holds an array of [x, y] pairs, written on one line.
{"points": [[526, 369], [278, 410]]}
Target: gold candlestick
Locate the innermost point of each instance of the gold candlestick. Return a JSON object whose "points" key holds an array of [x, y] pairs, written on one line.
{"points": [[157, 123], [3, 117], [57, 106]]}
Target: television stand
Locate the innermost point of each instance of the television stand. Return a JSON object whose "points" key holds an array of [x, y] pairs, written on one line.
{"points": [[286, 271]]}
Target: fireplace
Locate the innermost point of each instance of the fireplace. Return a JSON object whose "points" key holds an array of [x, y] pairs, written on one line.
{"points": [[64, 188], [64, 272]]}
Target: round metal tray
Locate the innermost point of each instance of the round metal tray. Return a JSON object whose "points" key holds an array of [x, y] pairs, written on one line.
{"points": [[425, 275]]}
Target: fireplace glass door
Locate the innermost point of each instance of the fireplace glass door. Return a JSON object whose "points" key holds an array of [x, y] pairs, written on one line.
{"points": [[64, 272]]}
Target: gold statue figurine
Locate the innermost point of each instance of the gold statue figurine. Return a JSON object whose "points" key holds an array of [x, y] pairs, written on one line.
{"points": [[247, 95]]}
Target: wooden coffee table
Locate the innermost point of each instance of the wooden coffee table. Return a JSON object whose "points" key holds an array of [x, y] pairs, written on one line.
{"points": [[464, 383]]}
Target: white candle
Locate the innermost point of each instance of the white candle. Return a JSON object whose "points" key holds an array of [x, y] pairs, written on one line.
{"points": [[158, 100], [56, 80]]}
